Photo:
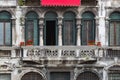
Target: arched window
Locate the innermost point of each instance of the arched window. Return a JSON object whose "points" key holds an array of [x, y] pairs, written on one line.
{"points": [[5, 29], [69, 29], [88, 29], [114, 29], [32, 76], [114, 72], [50, 30], [87, 75], [31, 29]]}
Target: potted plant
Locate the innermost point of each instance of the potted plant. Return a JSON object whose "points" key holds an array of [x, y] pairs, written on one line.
{"points": [[98, 43], [29, 42], [21, 2], [91, 42], [22, 43]]}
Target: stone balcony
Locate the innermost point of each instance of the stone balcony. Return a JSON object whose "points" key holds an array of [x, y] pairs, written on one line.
{"points": [[60, 55], [8, 2]]}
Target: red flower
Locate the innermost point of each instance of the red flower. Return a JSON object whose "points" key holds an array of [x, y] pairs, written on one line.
{"points": [[22, 43], [29, 42]]}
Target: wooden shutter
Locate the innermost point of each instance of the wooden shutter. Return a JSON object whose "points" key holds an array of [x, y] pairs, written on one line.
{"points": [[5, 77], [114, 33], [84, 33], [29, 30], [88, 32], [1, 34], [68, 32], [35, 33], [88, 28], [7, 33], [117, 33], [69, 29]]}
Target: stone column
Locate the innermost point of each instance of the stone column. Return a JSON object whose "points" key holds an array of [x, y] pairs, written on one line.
{"points": [[97, 30], [78, 23], [41, 26], [13, 32], [60, 31]]}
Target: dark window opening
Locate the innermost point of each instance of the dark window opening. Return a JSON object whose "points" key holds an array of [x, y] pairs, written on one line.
{"points": [[51, 32], [89, 2], [60, 76]]}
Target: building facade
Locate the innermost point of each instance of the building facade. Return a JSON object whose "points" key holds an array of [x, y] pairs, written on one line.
{"points": [[59, 42]]}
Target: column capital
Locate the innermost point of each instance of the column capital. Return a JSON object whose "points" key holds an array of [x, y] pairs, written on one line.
{"points": [[59, 20], [96, 18], [107, 18], [78, 21], [41, 18]]}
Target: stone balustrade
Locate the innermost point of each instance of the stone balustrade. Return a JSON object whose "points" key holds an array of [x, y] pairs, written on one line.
{"points": [[8, 2], [60, 52]]}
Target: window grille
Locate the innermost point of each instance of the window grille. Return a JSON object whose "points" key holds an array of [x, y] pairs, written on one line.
{"points": [[88, 76], [32, 76]]}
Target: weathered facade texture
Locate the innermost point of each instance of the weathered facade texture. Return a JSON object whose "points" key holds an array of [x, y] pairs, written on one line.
{"points": [[59, 42]]}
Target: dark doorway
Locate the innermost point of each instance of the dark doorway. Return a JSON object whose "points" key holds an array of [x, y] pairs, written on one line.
{"points": [[51, 32]]}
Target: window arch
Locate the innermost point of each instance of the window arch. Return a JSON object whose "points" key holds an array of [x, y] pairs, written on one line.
{"points": [[51, 29], [5, 29], [114, 29], [31, 29], [114, 72], [69, 29], [32, 76], [88, 29], [90, 76]]}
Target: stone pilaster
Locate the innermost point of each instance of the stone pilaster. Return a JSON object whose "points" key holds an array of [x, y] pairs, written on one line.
{"points": [[41, 25], [78, 23], [13, 31], [97, 30]]}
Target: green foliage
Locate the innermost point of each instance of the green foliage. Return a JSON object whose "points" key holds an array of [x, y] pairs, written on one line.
{"points": [[21, 2]]}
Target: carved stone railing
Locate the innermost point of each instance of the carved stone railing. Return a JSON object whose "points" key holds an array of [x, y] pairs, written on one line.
{"points": [[58, 52], [8, 2], [112, 52]]}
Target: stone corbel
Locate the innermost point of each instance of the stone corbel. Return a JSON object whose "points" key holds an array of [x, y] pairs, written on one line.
{"points": [[22, 21], [97, 20], [76, 72], [107, 22], [41, 20]]}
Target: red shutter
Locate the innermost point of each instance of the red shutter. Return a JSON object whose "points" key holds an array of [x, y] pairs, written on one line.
{"points": [[60, 2]]}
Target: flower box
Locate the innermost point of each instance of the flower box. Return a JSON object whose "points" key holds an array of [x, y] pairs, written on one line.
{"points": [[91, 42], [22, 43], [29, 42]]}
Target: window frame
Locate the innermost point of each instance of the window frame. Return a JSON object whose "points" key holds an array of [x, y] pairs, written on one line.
{"points": [[33, 19], [115, 21], [4, 21], [69, 16]]}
